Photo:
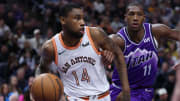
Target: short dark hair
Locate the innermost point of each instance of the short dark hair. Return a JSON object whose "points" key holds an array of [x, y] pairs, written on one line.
{"points": [[64, 10], [135, 3]]}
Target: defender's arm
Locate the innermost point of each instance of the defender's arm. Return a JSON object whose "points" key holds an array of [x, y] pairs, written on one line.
{"points": [[104, 42], [161, 30]]}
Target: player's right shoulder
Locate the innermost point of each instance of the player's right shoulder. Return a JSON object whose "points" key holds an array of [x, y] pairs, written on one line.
{"points": [[47, 44], [48, 47]]}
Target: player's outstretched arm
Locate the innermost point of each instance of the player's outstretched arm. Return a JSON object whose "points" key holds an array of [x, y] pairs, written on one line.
{"points": [[161, 30], [176, 93], [47, 56], [104, 42]]}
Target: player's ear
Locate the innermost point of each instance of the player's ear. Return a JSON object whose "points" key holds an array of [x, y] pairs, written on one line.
{"points": [[144, 18], [62, 20]]}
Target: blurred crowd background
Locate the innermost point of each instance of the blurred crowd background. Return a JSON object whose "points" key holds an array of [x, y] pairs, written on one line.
{"points": [[26, 24]]}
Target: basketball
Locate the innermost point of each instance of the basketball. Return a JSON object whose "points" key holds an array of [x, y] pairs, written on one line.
{"points": [[47, 87]]}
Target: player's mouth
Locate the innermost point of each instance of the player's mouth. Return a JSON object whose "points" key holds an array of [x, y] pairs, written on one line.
{"points": [[135, 25]]}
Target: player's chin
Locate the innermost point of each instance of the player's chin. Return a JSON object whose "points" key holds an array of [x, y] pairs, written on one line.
{"points": [[135, 28], [79, 34]]}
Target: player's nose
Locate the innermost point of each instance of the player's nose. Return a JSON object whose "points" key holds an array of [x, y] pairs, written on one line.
{"points": [[135, 17], [82, 22]]}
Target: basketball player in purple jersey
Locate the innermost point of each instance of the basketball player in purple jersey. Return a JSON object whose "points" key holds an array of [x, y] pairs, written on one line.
{"points": [[139, 45]]}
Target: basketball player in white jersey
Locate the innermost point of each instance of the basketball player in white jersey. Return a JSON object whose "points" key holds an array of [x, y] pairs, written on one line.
{"points": [[76, 52]]}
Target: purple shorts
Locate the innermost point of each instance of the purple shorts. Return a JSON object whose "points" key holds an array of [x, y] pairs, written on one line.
{"points": [[143, 94]]}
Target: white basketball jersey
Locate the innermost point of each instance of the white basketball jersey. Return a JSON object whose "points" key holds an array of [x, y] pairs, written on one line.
{"points": [[81, 69]]}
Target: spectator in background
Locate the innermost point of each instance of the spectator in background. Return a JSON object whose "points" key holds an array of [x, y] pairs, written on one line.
{"points": [[21, 78], [49, 33], [52, 3], [162, 76], [15, 48], [170, 83], [2, 9], [98, 6], [161, 57], [37, 41], [14, 97], [163, 95], [21, 38], [28, 55], [168, 57], [10, 20], [167, 12], [17, 11], [27, 89], [4, 53], [9, 67], [4, 90], [105, 24], [13, 86], [176, 16], [116, 24], [1, 97], [30, 81], [3, 27]]}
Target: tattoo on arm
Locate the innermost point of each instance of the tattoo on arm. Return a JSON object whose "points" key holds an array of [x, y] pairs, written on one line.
{"points": [[47, 57]]}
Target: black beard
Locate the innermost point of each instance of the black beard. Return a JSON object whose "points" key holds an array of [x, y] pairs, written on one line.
{"points": [[76, 35]]}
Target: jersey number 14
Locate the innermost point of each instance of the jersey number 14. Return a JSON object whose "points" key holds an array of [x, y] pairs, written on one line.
{"points": [[85, 76]]}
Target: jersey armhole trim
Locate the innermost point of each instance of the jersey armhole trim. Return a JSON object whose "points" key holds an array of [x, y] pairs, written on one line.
{"points": [[125, 43], [55, 51], [155, 43], [91, 41]]}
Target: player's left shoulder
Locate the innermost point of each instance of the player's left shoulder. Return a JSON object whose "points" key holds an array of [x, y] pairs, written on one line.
{"points": [[98, 35], [95, 30], [159, 28]]}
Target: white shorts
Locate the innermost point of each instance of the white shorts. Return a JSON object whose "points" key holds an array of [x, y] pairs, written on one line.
{"points": [[101, 97]]}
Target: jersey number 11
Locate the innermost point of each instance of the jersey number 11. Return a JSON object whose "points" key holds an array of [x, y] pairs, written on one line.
{"points": [[147, 70]]}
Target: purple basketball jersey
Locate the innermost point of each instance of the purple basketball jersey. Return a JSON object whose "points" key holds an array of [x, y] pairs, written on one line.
{"points": [[141, 60]]}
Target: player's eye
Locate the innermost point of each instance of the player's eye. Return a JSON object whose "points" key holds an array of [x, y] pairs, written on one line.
{"points": [[131, 13], [77, 17], [139, 14]]}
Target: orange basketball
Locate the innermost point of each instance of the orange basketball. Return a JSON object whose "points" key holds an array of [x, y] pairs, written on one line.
{"points": [[47, 87]]}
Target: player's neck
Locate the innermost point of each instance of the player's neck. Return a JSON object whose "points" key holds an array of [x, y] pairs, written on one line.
{"points": [[135, 36], [69, 40]]}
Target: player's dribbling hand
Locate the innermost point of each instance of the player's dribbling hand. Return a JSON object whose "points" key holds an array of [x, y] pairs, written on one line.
{"points": [[107, 57]]}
